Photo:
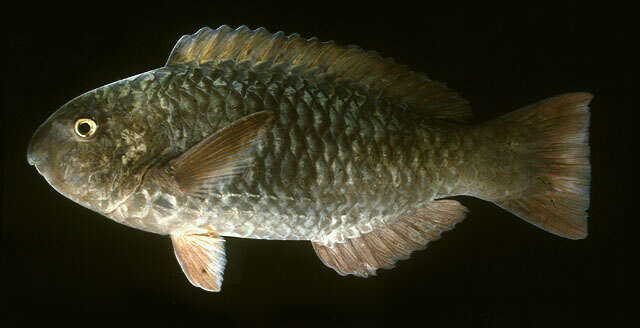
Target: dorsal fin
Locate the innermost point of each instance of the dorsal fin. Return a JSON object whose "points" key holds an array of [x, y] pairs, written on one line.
{"points": [[209, 47]]}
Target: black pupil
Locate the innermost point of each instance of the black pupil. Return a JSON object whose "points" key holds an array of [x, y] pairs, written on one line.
{"points": [[84, 128]]}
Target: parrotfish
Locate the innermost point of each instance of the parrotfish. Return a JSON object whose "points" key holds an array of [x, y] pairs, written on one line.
{"points": [[249, 134]]}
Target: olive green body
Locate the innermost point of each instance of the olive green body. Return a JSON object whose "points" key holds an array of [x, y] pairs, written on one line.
{"points": [[249, 134], [338, 160]]}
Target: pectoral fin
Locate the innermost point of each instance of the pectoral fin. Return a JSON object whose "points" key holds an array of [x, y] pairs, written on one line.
{"points": [[363, 255], [222, 155], [201, 257]]}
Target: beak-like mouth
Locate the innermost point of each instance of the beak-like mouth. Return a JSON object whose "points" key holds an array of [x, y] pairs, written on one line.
{"points": [[36, 151], [31, 158]]}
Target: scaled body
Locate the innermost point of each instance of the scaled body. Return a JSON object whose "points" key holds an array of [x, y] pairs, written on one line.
{"points": [[327, 142], [254, 135]]}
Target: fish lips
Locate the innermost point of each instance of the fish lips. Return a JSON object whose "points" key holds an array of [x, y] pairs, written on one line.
{"points": [[42, 151], [36, 151]]}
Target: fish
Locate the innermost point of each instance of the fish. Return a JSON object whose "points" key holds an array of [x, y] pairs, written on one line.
{"points": [[248, 134]]}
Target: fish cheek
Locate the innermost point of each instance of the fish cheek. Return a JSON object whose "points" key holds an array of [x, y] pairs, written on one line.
{"points": [[100, 182], [85, 171], [130, 160]]}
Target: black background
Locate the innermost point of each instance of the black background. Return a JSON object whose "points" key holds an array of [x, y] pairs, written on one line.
{"points": [[63, 263]]}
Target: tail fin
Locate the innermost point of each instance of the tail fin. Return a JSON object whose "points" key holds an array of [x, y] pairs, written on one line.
{"points": [[558, 151]]}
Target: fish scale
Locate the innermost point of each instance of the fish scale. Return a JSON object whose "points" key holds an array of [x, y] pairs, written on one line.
{"points": [[352, 137], [249, 134]]}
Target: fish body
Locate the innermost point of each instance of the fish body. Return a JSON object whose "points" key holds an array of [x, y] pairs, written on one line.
{"points": [[253, 135], [325, 144]]}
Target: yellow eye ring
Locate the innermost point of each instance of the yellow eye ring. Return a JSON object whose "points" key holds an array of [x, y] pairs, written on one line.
{"points": [[85, 127]]}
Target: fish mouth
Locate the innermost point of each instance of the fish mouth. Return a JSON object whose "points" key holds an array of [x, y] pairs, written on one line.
{"points": [[36, 151], [32, 160]]}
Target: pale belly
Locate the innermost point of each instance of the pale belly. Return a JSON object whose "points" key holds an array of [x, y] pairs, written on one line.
{"points": [[330, 207], [162, 213]]}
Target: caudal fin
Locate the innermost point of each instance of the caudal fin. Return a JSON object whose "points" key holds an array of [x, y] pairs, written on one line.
{"points": [[558, 151]]}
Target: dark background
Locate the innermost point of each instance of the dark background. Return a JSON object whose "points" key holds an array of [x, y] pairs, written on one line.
{"points": [[63, 263]]}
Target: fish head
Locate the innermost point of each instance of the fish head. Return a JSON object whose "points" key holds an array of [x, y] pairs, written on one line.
{"points": [[96, 148]]}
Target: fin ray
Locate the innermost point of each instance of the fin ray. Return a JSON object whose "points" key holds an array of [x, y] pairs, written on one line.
{"points": [[210, 47], [201, 257], [222, 155], [381, 248], [558, 195]]}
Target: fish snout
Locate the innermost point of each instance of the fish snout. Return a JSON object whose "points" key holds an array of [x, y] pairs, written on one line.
{"points": [[36, 151]]}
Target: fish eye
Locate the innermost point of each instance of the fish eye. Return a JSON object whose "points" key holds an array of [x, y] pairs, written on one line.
{"points": [[85, 127]]}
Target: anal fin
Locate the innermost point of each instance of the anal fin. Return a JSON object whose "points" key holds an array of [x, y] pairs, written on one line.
{"points": [[381, 248], [202, 258]]}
